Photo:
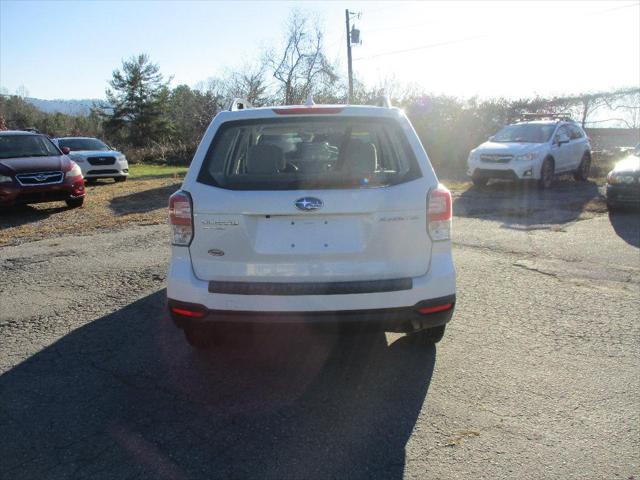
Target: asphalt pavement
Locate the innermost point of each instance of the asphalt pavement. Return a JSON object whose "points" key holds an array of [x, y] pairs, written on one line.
{"points": [[537, 376]]}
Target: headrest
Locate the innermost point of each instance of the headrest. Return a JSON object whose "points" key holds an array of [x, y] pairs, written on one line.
{"points": [[361, 158], [265, 158]]}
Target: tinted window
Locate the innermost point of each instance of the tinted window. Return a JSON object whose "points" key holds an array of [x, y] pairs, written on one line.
{"points": [[15, 146], [289, 154], [82, 144], [575, 132], [525, 133], [563, 130]]}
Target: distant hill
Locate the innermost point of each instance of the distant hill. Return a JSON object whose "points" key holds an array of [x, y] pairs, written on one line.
{"points": [[69, 107]]}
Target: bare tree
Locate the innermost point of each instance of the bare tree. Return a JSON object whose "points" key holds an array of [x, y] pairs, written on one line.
{"points": [[249, 83], [625, 100], [302, 65]]}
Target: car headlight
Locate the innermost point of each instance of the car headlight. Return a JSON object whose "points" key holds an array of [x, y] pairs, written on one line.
{"points": [[619, 178], [5, 179], [121, 158], [527, 157], [473, 155], [74, 172]]}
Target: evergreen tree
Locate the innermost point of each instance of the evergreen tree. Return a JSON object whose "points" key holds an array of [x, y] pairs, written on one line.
{"points": [[138, 99]]}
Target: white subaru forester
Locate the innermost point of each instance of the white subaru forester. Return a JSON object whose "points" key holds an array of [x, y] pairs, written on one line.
{"points": [[318, 214]]}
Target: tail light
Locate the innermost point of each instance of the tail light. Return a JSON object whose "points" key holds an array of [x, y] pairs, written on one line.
{"points": [[187, 312], [181, 218], [439, 213], [437, 308]]}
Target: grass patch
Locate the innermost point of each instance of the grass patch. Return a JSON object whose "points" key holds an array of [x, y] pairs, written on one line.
{"points": [[107, 205], [141, 171]]}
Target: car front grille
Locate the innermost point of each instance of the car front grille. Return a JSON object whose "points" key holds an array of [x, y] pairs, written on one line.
{"points": [[101, 160], [495, 158], [37, 179], [101, 172]]}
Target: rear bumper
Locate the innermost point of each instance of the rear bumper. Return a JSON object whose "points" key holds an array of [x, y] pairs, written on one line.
{"points": [[184, 286], [403, 320]]}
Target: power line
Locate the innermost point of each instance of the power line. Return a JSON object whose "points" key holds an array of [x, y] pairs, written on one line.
{"points": [[422, 47], [376, 10], [415, 25], [451, 42], [637, 4]]}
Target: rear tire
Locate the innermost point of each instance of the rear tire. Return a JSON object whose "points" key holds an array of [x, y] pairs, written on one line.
{"points": [[74, 202], [582, 174], [480, 182], [429, 336], [546, 174], [120, 179]]}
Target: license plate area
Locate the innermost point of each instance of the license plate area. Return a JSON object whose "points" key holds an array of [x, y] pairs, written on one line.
{"points": [[305, 235]]}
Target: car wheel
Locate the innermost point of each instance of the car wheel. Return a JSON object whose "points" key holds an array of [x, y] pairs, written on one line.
{"points": [[120, 179], [74, 202], [428, 336], [582, 174], [480, 182], [546, 174], [198, 336]]}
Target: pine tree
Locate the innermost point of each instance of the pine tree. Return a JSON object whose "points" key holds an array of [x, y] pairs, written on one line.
{"points": [[138, 99]]}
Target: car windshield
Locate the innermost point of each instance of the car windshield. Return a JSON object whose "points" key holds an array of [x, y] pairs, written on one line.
{"points": [[284, 154], [525, 133], [16, 146], [82, 144]]}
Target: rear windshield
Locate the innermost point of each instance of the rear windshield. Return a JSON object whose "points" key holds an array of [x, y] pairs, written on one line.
{"points": [[307, 153]]}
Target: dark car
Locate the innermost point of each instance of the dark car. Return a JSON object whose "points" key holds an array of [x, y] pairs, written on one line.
{"points": [[623, 182], [34, 170]]}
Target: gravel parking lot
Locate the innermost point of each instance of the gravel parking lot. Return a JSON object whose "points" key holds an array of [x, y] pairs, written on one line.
{"points": [[537, 376]]}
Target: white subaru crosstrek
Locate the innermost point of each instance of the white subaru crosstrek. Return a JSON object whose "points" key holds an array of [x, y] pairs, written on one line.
{"points": [[317, 214], [536, 150]]}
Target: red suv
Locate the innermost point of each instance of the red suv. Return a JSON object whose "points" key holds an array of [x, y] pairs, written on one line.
{"points": [[34, 170]]}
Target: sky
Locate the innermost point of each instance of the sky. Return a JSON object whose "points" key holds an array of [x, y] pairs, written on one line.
{"points": [[68, 49]]}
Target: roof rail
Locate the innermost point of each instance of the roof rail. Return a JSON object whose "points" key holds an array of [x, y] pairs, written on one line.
{"points": [[546, 116], [239, 104], [383, 101]]}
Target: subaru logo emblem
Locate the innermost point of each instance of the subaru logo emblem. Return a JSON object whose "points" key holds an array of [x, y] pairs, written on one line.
{"points": [[41, 178], [309, 203]]}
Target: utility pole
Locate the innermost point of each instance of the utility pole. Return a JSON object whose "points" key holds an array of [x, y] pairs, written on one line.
{"points": [[350, 96]]}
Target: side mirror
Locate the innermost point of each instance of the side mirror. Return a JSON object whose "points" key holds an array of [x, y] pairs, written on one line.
{"points": [[65, 150]]}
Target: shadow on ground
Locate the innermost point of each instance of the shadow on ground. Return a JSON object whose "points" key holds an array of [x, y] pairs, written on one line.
{"points": [[626, 224], [25, 214], [523, 206], [143, 201], [124, 396]]}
